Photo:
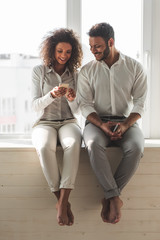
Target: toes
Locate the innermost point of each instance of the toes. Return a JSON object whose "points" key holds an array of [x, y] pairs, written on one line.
{"points": [[60, 221], [70, 217]]}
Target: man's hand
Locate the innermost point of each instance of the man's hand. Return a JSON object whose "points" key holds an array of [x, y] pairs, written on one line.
{"points": [[118, 133], [108, 129]]}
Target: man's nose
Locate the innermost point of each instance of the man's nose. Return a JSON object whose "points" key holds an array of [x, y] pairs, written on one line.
{"points": [[93, 49]]}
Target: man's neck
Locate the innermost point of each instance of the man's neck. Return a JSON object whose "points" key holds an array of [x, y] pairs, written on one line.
{"points": [[112, 58]]}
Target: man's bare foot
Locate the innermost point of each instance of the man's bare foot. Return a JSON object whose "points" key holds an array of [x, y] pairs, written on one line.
{"points": [[105, 210], [70, 215], [115, 209], [62, 216]]}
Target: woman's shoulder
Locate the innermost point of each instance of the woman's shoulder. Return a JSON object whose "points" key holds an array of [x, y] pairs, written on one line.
{"points": [[38, 68]]}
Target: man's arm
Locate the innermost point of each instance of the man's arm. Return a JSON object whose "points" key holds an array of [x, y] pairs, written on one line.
{"points": [[95, 119], [139, 90], [105, 127], [129, 121]]}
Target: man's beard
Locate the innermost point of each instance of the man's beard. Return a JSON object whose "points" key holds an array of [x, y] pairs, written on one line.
{"points": [[105, 53]]}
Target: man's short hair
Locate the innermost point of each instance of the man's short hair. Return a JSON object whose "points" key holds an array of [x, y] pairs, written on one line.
{"points": [[103, 30]]}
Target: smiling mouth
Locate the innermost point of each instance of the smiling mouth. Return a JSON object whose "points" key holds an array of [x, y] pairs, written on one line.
{"points": [[63, 60], [97, 54]]}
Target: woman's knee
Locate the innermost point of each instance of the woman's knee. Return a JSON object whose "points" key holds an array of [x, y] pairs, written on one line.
{"points": [[44, 140], [71, 143]]}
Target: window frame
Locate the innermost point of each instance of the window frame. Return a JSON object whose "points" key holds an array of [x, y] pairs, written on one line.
{"points": [[73, 21]]}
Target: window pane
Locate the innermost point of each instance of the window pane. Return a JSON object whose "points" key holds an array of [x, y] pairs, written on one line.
{"points": [[125, 18], [23, 24]]}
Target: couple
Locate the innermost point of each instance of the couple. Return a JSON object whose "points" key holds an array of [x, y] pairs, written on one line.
{"points": [[110, 91]]}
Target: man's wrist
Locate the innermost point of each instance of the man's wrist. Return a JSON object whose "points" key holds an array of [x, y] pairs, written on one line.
{"points": [[101, 124]]}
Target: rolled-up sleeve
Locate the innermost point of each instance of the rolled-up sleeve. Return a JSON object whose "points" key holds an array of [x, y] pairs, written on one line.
{"points": [[139, 90]]}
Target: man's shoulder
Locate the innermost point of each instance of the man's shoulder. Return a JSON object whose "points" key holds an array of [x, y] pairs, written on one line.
{"points": [[90, 66], [130, 60], [132, 64]]}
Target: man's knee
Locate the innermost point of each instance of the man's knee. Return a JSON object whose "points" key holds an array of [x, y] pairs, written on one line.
{"points": [[95, 144], [134, 147]]}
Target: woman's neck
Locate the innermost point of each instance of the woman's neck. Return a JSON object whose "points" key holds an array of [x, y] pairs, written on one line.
{"points": [[59, 68]]}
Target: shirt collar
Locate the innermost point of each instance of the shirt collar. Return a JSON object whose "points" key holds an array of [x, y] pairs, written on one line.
{"points": [[121, 58], [48, 70]]}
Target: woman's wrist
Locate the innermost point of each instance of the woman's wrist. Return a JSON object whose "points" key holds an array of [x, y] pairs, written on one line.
{"points": [[52, 95]]}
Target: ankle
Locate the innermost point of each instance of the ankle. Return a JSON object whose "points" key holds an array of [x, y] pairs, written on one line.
{"points": [[63, 202], [114, 198]]}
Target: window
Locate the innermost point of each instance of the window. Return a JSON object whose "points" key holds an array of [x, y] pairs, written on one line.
{"points": [[23, 24], [125, 18], [136, 34]]}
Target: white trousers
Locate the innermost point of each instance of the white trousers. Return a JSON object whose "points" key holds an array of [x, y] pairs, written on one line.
{"points": [[44, 137]]}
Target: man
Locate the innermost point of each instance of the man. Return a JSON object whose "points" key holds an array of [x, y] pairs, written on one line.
{"points": [[112, 91]]}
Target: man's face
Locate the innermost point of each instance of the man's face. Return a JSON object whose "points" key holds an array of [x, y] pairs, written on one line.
{"points": [[99, 48]]}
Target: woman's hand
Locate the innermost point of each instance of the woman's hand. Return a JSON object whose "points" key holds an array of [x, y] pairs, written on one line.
{"points": [[71, 94], [58, 92]]}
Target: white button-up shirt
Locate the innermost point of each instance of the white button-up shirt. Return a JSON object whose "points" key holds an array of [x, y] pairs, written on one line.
{"points": [[115, 91]]}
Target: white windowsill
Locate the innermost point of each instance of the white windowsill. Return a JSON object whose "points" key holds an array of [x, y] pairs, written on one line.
{"points": [[27, 143]]}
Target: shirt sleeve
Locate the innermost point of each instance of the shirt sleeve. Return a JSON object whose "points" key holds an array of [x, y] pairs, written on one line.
{"points": [[139, 90], [39, 102], [74, 105], [85, 94]]}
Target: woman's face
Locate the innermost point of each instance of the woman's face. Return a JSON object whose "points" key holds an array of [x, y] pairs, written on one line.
{"points": [[63, 52]]}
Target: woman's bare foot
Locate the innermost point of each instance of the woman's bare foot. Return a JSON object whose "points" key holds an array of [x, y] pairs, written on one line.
{"points": [[105, 210], [62, 216], [115, 209]]}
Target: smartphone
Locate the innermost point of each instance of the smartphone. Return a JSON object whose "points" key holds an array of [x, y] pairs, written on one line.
{"points": [[65, 85], [115, 127]]}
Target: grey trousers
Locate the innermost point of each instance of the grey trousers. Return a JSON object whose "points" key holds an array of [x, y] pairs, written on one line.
{"points": [[132, 145]]}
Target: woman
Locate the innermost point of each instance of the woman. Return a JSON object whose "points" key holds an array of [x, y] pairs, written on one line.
{"points": [[54, 98]]}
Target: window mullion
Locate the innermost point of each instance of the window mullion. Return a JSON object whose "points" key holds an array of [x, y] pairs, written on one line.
{"points": [[74, 15]]}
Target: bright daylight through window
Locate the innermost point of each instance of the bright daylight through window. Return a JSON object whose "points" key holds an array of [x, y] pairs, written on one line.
{"points": [[22, 33], [23, 25]]}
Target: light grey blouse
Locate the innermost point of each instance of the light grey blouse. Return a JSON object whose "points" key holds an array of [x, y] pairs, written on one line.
{"points": [[44, 79]]}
